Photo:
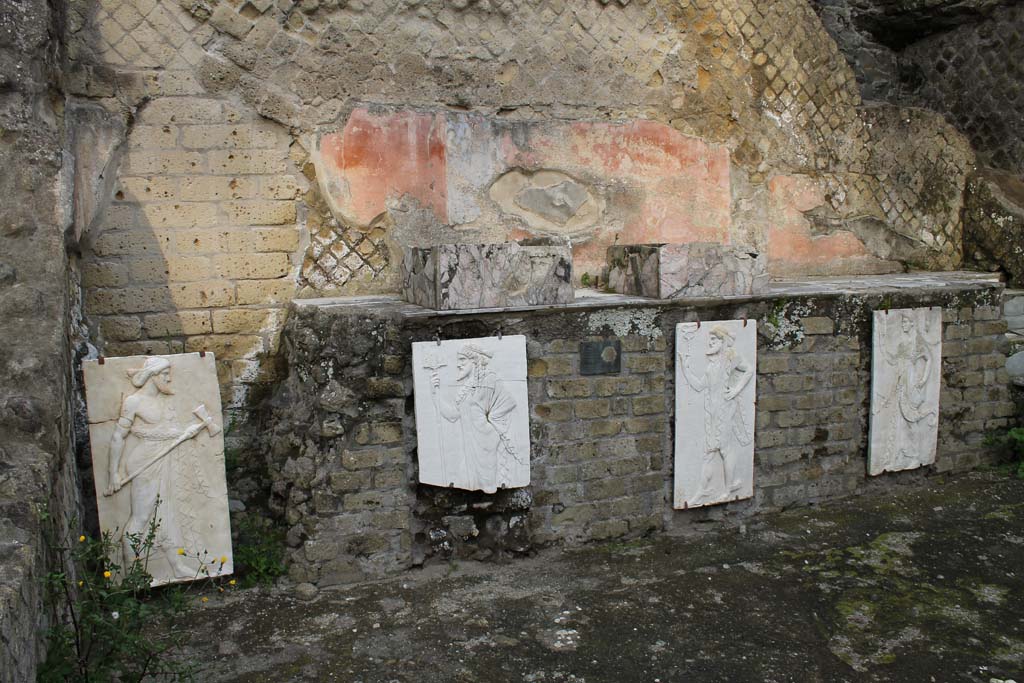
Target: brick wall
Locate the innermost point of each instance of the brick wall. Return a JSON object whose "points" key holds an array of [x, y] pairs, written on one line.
{"points": [[342, 442], [598, 466]]}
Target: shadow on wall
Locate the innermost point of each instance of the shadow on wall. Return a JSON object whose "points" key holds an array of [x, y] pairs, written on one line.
{"points": [[189, 241]]}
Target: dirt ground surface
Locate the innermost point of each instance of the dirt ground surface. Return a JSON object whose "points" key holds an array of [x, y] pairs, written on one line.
{"points": [[925, 583]]}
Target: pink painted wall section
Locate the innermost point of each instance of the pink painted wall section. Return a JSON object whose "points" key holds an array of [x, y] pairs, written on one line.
{"points": [[793, 250], [673, 188], [652, 183], [685, 181], [380, 157]]}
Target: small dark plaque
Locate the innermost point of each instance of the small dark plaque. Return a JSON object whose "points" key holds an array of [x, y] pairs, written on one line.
{"points": [[601, 357]]}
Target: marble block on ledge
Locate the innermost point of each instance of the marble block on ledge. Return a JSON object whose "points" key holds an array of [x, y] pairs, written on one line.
{"points": [[672, 271], [465, 276]]}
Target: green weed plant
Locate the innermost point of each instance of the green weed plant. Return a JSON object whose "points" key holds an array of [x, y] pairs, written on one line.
{"points": [[108, 622], [259, 551], [1011, 443]]}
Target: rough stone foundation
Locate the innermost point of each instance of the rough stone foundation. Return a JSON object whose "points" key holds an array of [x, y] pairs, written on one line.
{"points": [[343, 442]]}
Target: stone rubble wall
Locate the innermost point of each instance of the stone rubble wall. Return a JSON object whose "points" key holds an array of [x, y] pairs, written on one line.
{"points": [[37, 282], [994, 219], [342, 442]]}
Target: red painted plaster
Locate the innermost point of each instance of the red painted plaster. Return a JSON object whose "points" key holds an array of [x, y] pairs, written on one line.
{"points": [[659, 185], [379, 157], [791, 246]]}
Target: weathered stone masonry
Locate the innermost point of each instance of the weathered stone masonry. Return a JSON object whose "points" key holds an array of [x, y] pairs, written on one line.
{"points": [[37, 281], [342, 435], [218, 204]]}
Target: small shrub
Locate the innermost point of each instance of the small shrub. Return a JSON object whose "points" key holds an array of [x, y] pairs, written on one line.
{"points": [[1011, 443], [259, 551], [108, 623]]}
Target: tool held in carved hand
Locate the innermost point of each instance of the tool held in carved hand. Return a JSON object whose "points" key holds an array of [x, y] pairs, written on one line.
{"points": [[433, 362], [205, 422]]}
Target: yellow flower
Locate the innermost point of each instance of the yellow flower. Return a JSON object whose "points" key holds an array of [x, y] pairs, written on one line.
{"points": [[181, 551], [223, 559], [81, 583], [81, 539], [206, 599], [106, 574], [231, 582]]}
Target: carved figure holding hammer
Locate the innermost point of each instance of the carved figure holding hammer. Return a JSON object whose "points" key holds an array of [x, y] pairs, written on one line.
{"points": [[154, 465]]}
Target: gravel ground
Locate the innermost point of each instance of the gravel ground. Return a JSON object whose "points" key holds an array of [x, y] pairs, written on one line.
{"points": [[926, 584]]}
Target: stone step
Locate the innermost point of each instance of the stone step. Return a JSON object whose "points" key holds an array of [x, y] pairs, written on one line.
{"points": [[1013, 313], [1015, 368]]}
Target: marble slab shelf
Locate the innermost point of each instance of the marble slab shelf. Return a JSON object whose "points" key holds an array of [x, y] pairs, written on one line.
{"points": [[585, 299]]}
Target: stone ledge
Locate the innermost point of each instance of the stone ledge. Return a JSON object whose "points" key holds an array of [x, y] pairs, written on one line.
{"points": [[910, 283]]}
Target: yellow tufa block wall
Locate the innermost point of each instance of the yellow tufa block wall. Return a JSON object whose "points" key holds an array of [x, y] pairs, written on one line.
{"points": [[197, 249]]}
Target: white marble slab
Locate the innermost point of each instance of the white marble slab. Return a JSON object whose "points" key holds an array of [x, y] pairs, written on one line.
{"points": [[716, 376], [472, 416], [906, 377], [155, 427]]}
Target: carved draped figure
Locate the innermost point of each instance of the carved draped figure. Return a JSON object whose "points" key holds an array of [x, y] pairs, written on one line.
{"points": [[726, 428], [909, 396], [484, 416]]}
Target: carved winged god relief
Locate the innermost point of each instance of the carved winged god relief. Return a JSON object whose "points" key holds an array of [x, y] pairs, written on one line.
{"points": [[472, 415], [158, 462], [906, 376], [716, 368]]}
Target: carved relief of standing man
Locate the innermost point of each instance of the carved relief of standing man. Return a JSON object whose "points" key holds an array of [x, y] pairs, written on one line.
{"points": [[148, 422], [726, 428], [483, 410], [907, 399]]}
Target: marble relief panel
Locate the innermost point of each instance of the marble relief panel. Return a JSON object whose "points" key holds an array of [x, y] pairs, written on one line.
{"points": [[906, 377], [155, 427], [716, 374], [472, 417]]}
